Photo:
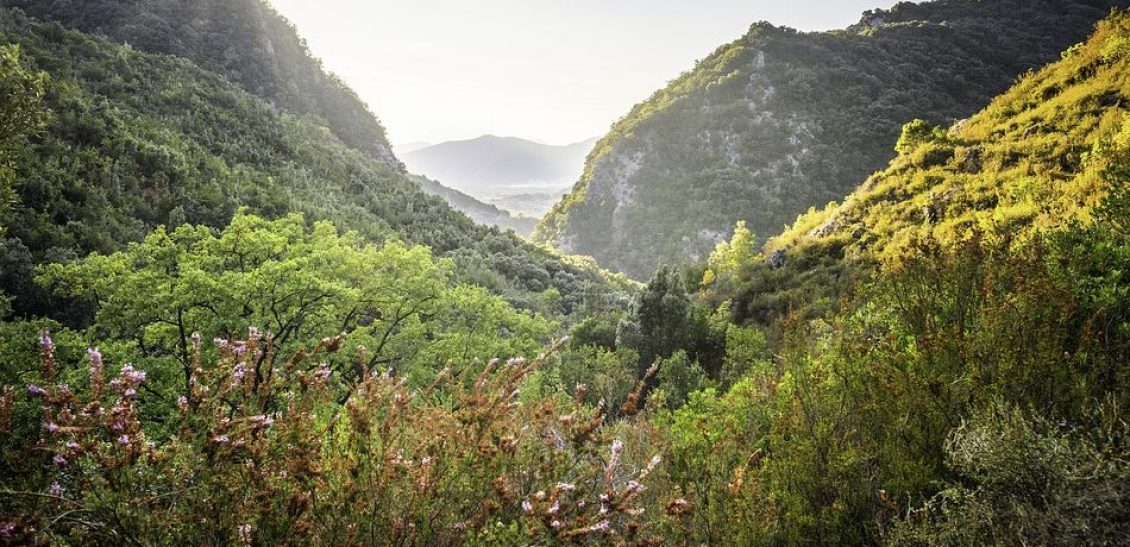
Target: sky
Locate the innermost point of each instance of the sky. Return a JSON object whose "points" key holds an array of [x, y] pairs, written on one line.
{"points": [[553, 71]]}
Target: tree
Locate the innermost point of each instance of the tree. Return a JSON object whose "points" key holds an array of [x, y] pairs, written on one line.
{"points": [[298, 285], [917, 133], [728, 257]]}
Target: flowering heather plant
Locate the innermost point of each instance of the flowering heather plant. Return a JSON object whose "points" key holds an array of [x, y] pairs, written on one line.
{"points": [[283, 451]]}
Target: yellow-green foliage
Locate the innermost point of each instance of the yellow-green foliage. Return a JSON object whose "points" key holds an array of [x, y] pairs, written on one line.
{"points": [[1025, 163]]}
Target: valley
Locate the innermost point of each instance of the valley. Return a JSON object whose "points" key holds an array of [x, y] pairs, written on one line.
{"points": [[860, 286]]}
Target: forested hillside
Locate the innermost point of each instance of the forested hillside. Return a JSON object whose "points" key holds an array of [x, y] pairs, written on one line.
{"points": [[245, 41], [231, 328], [1030, 161], [136, 140], [779, 121]]}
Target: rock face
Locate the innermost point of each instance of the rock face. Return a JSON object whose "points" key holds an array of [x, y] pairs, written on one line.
{"points": [[779, 121]]}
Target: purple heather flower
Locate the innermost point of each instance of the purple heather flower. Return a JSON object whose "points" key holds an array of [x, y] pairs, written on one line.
{"points": [[7, 530], [239, 372], [182, 401], [95, 357], [52, 427], [123, 440], [324, 371], [527, 507], [131, 392], [117, 426], [36, 390], [555, 508], [196, 338], [221, 439], [45, 341], [71, 445], [600, 526], [59, 460], [220, 343], [56, 489], [133, 375], [252, 333], [240, 348], [555, 524], [636, 487]]}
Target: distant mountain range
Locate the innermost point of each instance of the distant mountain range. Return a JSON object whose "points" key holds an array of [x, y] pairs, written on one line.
{"points": [[515, 174]]}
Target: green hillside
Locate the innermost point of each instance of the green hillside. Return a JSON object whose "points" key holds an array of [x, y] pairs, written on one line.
{"points": [[245, 41], [1031, 161], [779, 121], [136, 140], [232, 328]]}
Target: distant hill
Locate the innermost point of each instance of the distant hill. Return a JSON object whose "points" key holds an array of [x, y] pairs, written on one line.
{"points": [[409, 147], [483, 213], [516, 174], [779, 121]]}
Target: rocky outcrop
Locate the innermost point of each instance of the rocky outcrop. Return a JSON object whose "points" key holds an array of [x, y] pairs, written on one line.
{"points": [[779, 121]]}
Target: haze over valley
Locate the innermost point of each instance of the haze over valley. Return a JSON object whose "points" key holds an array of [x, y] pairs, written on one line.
{"points": [[518, 175]]}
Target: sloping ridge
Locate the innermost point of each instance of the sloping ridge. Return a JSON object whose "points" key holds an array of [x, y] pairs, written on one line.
{"points": [[138, 140], [246, 41], [779, 121], [1030, 162]]}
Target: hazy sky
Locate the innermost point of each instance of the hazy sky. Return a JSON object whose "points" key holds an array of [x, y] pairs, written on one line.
{"points": [[556, 71]]}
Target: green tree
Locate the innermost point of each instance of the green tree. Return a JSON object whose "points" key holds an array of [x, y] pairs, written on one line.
{"points": [[679, 377], [916, 133], [297, 284]]}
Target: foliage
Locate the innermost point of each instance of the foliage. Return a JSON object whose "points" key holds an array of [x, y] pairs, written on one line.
{"points": [[21, 94], [246, 41], [1036, 158], [277, 458], [940, 359], [22, 113], [1026, 480], [298, 284], [780, 121], [140, 140], [916, 133]]}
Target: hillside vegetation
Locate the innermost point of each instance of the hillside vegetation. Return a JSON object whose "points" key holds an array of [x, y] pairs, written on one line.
{"points": [[779, 121], [137, 140], [1032, 160], [245, 41], [942, 359]]}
